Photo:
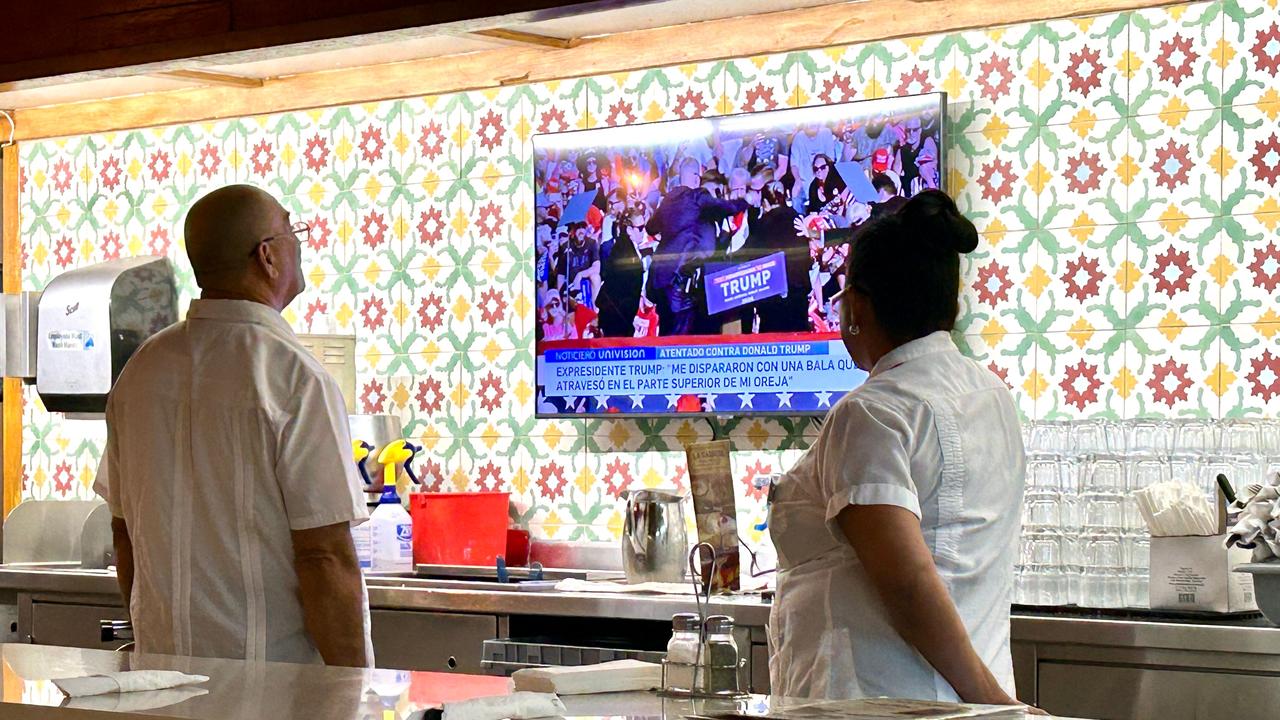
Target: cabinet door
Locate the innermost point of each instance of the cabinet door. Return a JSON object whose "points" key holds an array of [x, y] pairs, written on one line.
{"points": [[73, 625], [1112, 692], [439, 642]]}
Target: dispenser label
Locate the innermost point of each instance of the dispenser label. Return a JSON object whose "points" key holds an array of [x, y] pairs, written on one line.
{"points": [[70, 340]]}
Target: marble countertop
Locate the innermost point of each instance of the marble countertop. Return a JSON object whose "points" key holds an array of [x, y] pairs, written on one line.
{"points": [[239, 690]]}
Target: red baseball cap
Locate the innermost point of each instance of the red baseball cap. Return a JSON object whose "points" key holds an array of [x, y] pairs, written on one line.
{"points": [[880, 160]]}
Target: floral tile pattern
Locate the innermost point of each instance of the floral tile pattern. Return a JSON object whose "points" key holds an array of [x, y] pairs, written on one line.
{"points": [[1123, 169]]}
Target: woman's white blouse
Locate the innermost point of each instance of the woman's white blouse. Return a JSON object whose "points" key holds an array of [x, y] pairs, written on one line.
{"points": [[935, 433]]}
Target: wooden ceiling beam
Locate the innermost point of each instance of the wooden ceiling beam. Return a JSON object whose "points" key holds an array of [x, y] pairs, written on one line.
{"points": [[207, 77], [507, 36], [807, 28]]}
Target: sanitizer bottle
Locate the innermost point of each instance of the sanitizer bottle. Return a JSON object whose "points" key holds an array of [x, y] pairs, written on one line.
{"points": [[392, 531], [362, 534]]}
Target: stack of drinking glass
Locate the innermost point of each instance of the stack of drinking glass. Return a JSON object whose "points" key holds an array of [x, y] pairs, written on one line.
{"points": [[1083, 540]]}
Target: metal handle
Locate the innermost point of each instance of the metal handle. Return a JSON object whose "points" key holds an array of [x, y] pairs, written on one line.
{"points": [[115, 630]]}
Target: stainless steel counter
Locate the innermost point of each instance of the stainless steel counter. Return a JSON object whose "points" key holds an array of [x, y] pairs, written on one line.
{"points": [[1130, 667], [240, 690]]}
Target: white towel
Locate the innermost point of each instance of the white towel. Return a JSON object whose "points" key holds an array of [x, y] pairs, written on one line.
{"points": [[616, 676], [123, 682], [135, 702], [573, 585], [516, 706]]}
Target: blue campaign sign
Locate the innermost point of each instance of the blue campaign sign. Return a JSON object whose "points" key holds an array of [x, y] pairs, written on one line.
{"points": [[746, 283]]}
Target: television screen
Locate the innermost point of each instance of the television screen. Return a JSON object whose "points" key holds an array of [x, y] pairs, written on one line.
{"points": [[692, 266]]}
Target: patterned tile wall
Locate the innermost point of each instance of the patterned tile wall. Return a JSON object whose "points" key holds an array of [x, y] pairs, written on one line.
{"points": [[1124, 171]]}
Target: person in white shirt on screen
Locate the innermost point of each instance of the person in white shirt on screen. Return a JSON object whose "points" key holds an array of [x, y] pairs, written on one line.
{"points": [[228, 467], [897, 531]]}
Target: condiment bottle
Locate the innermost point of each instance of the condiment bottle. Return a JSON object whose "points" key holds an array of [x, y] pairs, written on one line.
{"points": [[719, 667], [682, 652]]}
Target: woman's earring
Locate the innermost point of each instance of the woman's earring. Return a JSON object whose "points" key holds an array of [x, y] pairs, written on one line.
{"points": [[854, 330]]}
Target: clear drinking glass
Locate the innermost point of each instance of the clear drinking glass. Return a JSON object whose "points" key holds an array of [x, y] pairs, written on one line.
{"points": [[1241, 437], [1094, 436], [1104, 574], [1196, 436], [1150, 437]]}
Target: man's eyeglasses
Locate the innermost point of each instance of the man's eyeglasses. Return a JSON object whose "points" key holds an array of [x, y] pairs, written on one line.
{"points": [[299, 230]]}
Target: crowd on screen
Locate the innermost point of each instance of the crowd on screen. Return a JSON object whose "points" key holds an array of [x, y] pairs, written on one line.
{"points": [[625, 236]]}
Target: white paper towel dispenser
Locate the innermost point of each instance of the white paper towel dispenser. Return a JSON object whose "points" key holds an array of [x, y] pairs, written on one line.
{"points": [[89, 323]]}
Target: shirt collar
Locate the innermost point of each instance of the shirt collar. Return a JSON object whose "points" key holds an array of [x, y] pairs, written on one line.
{"points": [[936, 342], [237, 311]]}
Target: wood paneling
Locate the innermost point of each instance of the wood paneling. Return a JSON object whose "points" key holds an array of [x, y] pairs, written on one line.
{"points": [[695, 42], [11, 418]]}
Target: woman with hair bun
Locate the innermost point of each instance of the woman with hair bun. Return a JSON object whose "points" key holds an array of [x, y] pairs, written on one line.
{"points": [[897, 531]]}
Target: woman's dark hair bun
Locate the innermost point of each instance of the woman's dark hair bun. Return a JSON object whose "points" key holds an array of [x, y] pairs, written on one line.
{"points": [[933, 216]]}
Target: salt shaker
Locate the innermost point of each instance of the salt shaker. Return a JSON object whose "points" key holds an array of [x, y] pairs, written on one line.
{"points": [[719, 667], [682, 653]]}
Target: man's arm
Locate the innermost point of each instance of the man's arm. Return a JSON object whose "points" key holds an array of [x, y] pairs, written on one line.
{"points": [[714, 209], [124, 559], [330, 591]]}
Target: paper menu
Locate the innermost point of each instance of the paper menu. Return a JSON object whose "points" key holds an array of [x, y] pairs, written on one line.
{"points": [[711, 479]]}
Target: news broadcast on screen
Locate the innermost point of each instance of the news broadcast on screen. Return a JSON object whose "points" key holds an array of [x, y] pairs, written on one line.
{"points": [[693, 266]]}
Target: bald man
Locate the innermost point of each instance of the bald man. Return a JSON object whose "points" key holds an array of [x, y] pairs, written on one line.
{"points": [[227, 468]]}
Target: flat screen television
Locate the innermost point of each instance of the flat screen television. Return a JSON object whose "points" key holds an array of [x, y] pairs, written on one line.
{"points": [[689, 266]]}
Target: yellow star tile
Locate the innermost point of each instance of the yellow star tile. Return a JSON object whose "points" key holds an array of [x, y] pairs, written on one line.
{"points": [[1129, 64], [996, 130], [653, 112], [1037, 280], [1221, 270], [585, 480], [1039, 75], [1038, 177], [955, 82], [491, 175], [1268, 213], [110, 210], [993, 332], [1223, 53], [459, 480], [874, 89], [491, 263], [288, 154], [619, 435], [371, 272], [1124, 382], [343, 149], [344, 315], [316, 277], [489, 436], [1035, 385], [520, 481], [372, 188], [401, 143], [459, 395], [686, 434], [615, 524], [491, 351], [957, 179], [553, 435], [1082, 122], [460, 222], [1127, 170], [758, 434], [1171, 326], [1220, 379], [134, 169], [1172, 220], [523, 392], [652, 478], [1269, 103], [400, 395], [63, 215], [1174, 112], [1081, 332], [799, 98], [316, 193], [1267, 324], [1222, 161], [39, 179]]}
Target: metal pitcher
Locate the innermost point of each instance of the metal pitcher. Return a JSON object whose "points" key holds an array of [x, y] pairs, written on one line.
{"points": [[654, 545]]}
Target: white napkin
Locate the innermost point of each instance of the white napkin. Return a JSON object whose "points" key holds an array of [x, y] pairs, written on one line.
{"points": [[657, 588], [616, 676], [516, 706], [123, 682], [135, 701]]}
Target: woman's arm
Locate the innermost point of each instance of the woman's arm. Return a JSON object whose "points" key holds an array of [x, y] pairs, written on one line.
{"points": [[891, 547]]}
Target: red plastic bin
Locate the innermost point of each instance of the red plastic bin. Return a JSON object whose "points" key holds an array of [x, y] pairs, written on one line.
{"points": [[459, 528]]}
